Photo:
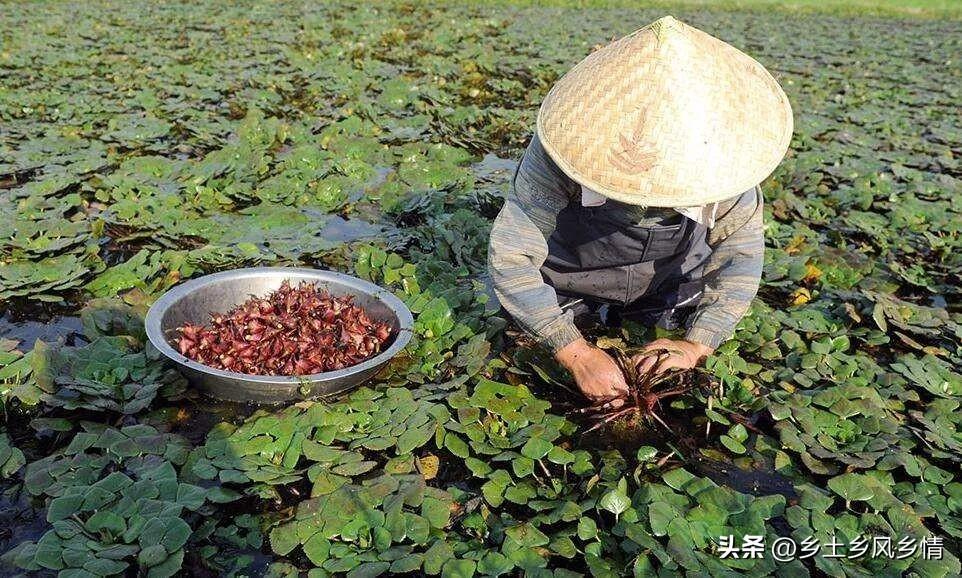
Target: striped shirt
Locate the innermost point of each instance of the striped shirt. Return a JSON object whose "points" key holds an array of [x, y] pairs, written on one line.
{"points": [[519, 247]]}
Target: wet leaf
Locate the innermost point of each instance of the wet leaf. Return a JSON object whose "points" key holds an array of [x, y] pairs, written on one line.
{"points": [[852, 487], [536, 448], [458, 569]]}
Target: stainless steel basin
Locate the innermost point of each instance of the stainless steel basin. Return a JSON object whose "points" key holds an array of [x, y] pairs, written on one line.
{"points": [[195, 300]]}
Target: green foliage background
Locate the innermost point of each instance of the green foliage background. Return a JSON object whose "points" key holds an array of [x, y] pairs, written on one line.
{"points": [[144, 143]]}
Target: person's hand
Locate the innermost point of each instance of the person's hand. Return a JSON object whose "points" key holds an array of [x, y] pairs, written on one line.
{"points": [[595, 372], [675, 353]]}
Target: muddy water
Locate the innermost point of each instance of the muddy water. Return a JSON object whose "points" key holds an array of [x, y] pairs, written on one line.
{"points": [[50, 322], [342, 230], [58, 329], [20, 521], [494, 169], [687, 440]]}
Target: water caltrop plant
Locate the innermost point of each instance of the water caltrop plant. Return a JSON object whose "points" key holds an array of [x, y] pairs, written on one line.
{"points": [[145, 145], [646, 390]]}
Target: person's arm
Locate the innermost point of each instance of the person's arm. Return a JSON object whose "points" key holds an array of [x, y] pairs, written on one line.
{"points": [[517, 250], [519, 247], [732, 272]]}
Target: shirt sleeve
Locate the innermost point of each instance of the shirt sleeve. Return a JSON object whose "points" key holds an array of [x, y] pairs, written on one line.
{"points": [[733, 271], [518, 248]]}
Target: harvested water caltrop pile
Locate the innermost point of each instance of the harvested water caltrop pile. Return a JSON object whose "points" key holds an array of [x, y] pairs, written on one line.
{"points": [[143, 144], [292, 331]]}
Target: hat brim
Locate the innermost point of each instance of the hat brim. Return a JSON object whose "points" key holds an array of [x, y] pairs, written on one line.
{"points": [[627, 125]]}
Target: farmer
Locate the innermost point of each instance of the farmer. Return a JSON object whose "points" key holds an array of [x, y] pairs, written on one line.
{"points": [[639, 191]]}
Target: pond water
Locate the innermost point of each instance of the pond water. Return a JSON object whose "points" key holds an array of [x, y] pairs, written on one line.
{"points": [[342, 229], [20, 519], [27, 329], [297, 133]]}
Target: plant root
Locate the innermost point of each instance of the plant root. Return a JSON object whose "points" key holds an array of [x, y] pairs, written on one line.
{"points": [[644, 398]]}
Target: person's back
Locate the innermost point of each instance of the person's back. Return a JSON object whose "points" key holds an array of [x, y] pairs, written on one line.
{"points": [[640, 190]]}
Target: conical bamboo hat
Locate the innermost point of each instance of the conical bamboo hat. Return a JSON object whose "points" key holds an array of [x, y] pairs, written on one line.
{"points": [[668, 116]]}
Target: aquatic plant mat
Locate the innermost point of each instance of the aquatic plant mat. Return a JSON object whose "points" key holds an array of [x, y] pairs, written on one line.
{"points": [[146, 143]]}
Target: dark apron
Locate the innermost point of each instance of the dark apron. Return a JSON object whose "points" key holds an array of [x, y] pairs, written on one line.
{"points": [[602, 254]]}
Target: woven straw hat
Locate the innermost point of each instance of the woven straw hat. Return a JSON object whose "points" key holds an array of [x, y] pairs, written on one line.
{"points": [[667, 116]]}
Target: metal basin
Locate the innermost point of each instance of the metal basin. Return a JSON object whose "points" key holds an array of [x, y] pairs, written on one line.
{"points": [[195, 300]]}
